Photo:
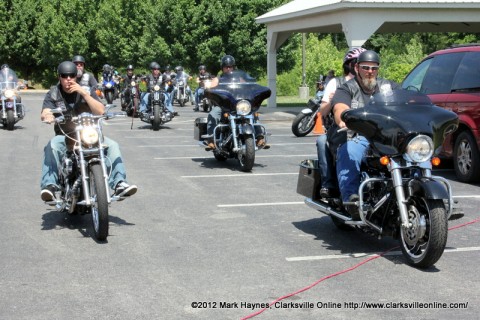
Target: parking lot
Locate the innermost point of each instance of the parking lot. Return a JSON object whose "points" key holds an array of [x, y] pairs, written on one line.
{"points": [[203, 240]]}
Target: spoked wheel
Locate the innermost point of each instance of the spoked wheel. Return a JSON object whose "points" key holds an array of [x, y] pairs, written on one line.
{"points": [[98, 194], [303, 124], [424, 242], [246, 157], [10, 121], [156, 117]]}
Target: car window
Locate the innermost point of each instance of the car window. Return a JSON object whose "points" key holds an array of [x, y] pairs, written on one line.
{"points": [[414, 79], [440, 75], [468, 74]]}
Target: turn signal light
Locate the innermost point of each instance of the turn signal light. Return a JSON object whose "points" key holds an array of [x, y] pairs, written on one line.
{"points": [[436, 161], [225, 115], [384, 161]]}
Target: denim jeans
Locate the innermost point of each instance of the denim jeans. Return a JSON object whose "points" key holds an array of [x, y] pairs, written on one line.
{"points": [[213, 118], [325, 162], [198, 95], [144, 102], [56, 148], [349, 160]]}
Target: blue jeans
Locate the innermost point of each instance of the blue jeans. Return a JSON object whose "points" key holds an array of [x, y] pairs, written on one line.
{"points": [[144, 103], [198, 95], [214, 117], [325, 162], [349, 159], [56, 148]]}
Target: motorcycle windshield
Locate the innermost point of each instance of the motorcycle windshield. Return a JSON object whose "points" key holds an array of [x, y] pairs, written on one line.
{"points": [[392, 118], [237, 86], [8, 79]]}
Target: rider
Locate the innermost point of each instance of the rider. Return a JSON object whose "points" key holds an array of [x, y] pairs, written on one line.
{"points": [[228, 66], [152, 79], [325, 161], [169, 79], [126, 81], [108, 75], [74, 99], [354, 94], [180, 74], [85, 79], [202, 76]]}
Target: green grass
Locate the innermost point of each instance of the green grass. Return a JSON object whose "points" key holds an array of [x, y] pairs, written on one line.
{"points": [[288, 101]]}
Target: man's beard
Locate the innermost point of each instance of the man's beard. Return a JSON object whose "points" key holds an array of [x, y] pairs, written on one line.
{"points": [[369, 84]]}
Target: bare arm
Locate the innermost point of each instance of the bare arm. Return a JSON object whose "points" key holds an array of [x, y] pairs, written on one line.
{"points": [[95, 105]]}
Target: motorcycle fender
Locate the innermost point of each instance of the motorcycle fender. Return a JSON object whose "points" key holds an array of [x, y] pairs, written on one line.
{"points": [[246, 129], [307, 111], [428, 188]]}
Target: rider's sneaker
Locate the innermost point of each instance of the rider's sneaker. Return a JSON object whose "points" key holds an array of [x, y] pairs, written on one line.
{"points": [[123, 189], [48, 193]]}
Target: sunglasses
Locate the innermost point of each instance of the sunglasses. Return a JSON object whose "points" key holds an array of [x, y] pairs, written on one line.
{"points": [[68, 75], [368, 68]]}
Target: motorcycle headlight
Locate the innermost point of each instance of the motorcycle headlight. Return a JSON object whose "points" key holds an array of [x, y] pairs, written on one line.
{"points": [[89, 135], [109, 85], [419, 149], [180, 83], [243, 107], [132, 83], [9, 94], [156, 87]]}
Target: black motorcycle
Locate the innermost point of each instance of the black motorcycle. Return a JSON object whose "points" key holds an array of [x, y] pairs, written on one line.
{"points": [[83, 173], [157, 112], [131, 98], [235, 136], [305, 121], [398, 195]]}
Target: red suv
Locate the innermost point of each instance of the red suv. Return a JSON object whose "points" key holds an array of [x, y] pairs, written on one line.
{"points": [[451, 78]]}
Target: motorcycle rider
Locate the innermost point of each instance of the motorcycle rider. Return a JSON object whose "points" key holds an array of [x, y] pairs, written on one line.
{"points": [[125, 81], [85, 79], [179, 75], [74, 99], [202, 76], [354, 94], [228, 66], [152, 79], [169, 84], [325, 161], [107, 75]]}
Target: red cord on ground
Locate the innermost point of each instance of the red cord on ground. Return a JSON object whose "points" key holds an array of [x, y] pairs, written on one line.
{"points": [[342, 272]]}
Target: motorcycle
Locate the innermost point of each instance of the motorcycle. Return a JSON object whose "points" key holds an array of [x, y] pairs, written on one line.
{"points": [[131, 98], [83, 173], [12, 110], [398, 195], [304, 122], [156, 113], [109, 87], [239, 97], [205, 103], [181, 90]]}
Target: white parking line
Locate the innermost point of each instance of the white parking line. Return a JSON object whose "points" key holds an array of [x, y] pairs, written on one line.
{"points": [[239, 175], [189, 145], [368, 255], [259, 204], [268, 156]]}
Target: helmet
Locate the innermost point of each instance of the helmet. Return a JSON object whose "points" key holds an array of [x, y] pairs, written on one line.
{"points": [[353, 54], [154, 65], [4, 66], [106, 67], [168, 68], [202, 67], [369, 56], [129, 67], [178, 68], [228, 61], [67, 67], [78, 58]]}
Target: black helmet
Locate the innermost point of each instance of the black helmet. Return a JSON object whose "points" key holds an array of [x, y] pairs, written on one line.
{"points": [[368, 56], [154, 65], [129, 67], [67, 67], [228, 61], [168, 68], [4, 66], [78, 58], [202, 67]]}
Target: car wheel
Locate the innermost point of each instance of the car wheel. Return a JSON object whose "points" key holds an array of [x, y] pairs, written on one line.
{"points": [[466, 159]]}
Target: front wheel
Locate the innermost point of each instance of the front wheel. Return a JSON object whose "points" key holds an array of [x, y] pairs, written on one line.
{"points": [[10, 121], [156, 117], [424, 242], [303, 124], [246, 157], [109, 97], [98, 194], [466, 158]]}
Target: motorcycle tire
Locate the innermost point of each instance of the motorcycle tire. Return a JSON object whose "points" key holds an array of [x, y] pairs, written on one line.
{"points": [[422, 248], [156, 118], [10, 121], [135, 106], [181, 102], [99, 210], [248, 158], [109, 97], [300, 127]]}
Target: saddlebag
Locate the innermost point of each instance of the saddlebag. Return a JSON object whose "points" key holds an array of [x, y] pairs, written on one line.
{"points": [[308, 183], [200, 128]]}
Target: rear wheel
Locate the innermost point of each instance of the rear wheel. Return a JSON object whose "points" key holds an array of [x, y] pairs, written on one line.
{"points": [[424, 242], [156, 117], [247, 156], [10, 121], [466, 159], [302, 124], [98, 194]]}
